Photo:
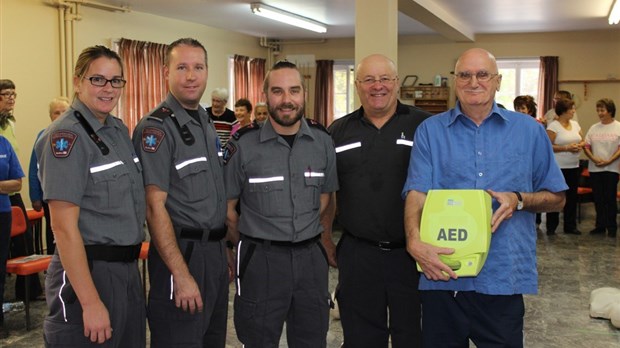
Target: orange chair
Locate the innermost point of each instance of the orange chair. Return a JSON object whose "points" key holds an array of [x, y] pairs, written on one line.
{"points": [[25, 265], [144, 255], [585, 172]]}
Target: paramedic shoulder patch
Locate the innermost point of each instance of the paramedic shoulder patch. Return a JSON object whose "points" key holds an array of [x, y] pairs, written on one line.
{"points": [[229, 151], [152, 138], [62, 142]]}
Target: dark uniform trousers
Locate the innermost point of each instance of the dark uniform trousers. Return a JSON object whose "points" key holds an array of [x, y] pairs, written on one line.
{"points": [[278, 284], [171, 326], [377, 296], [120, 288]]}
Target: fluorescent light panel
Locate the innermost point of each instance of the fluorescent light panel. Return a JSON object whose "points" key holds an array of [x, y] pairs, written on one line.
{"points": [[287, 17], [614, 13]]}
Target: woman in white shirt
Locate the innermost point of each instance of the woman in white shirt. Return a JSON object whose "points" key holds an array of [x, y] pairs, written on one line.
{"points": [[567, 139], [603, 149]]}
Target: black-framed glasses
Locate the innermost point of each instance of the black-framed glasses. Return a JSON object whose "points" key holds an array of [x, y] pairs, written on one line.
{"points": [[101, 81], [384, 81], [481, 76], [8, 95]]}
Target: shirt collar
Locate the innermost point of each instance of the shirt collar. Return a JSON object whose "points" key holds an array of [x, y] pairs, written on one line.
{"points": [[92, 120], [179, 111], [400, 109], [267, 132], [495, 111]]}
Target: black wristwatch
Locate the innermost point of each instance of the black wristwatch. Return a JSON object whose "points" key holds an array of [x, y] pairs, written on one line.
{"points": [[519, 200]]}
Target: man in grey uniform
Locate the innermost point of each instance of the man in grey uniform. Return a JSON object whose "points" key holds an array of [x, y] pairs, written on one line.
{"points": [[186, 208], [282, 174]]}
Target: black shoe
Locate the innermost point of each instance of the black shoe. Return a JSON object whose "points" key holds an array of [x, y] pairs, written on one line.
{"points": [[598, 230], [572, 231], [551, 232]]}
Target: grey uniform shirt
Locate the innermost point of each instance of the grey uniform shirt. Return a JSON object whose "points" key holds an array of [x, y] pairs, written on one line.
{"points": [[279, 187], [108, 188], [192, 175]]}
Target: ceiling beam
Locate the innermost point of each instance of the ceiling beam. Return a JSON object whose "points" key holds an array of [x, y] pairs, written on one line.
{"points": [[435, 17]]}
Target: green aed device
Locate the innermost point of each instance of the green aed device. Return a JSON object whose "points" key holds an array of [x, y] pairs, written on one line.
{"points": [[458, 219]]}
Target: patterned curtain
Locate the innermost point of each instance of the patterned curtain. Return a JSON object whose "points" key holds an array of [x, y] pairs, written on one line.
{"points": [[547, 83], [146, 86], [257, 75], [242, 77], [324, 92]]}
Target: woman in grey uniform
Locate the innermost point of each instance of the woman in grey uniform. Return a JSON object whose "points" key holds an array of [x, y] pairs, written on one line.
{"points": [[92, 181]]}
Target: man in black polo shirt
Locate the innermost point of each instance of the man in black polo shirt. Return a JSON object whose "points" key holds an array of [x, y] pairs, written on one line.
{"points": [[376, 274]]}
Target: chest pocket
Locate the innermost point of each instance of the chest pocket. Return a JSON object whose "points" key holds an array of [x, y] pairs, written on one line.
{"points": [[312, 192], [111, 184], [194, 179], [268, 194]]}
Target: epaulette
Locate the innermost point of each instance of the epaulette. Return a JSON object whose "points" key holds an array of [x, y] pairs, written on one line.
{"points": [[315, 124], [241, 131], [160, 114]]}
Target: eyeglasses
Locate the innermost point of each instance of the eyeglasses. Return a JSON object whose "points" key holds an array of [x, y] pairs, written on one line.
{"points": [[384, 81], [8, 95], [101, 81], [481, 76]]}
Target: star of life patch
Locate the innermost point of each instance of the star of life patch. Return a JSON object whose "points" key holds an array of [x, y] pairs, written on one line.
{"points": [[62, 142], [229, 151], [152, 138]]}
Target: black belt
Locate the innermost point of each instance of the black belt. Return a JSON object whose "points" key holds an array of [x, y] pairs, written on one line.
{"points": [[383, 245], [279, 243], [198, 234], [113, 253]]}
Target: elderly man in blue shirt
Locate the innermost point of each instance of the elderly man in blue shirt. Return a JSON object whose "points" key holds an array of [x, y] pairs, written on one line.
{"points": [[477, 145]]}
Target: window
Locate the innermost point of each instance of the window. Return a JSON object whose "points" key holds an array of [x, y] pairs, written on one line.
{"points": [[344, 88], [519, 77]]}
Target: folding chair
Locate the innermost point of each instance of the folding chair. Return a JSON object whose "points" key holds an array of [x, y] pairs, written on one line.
{"points": [[25, 265]]}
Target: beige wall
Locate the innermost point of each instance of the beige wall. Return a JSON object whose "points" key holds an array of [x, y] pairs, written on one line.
{"points": [[583, 55], [29, 54]]}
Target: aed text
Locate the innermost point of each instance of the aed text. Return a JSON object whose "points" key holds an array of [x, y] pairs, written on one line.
{"points": [[452, 234]]}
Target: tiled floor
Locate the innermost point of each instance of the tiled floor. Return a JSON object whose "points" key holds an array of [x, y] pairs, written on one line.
{"points": [[570, 267]]}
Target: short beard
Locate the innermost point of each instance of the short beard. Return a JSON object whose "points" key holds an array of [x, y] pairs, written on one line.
{"points": [[288, 122]]}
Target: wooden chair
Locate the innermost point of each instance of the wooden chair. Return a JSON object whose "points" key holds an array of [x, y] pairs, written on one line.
{"points": [[25, 265]]}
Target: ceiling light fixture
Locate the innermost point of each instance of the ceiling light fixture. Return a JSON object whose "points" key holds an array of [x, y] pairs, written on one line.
{"points": [[287, 17], [614, 13]]}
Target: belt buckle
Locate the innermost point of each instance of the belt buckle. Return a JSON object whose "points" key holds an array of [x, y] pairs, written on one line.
{"points": [[384, 246]]}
